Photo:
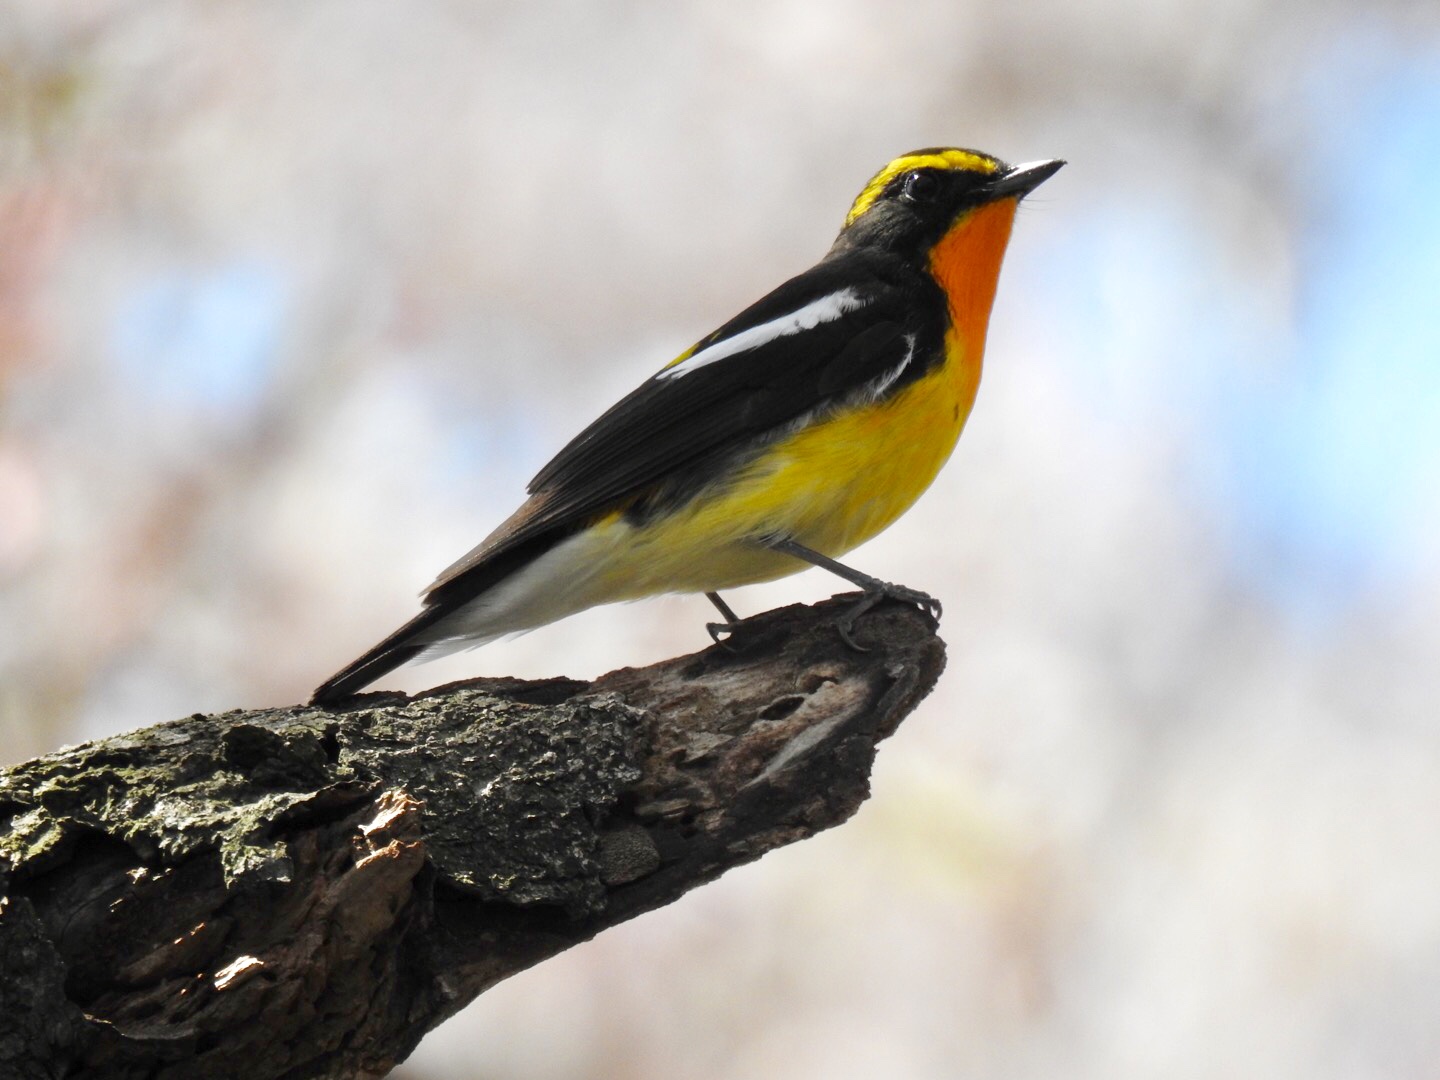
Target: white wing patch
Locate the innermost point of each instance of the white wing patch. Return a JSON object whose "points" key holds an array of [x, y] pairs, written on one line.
{"points": [[878, 386], [826, 309]]}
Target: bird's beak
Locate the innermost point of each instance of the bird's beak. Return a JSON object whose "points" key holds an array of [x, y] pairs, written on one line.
{"points": [[1023, 179]]}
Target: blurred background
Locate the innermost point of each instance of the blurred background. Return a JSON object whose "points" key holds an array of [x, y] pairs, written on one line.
{"points": [[295, 297]]}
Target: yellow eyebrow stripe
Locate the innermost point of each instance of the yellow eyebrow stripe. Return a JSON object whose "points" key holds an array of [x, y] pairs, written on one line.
{"points": [[946, 159]]}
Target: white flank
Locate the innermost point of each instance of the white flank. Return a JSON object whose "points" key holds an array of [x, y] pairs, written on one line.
{"points": [[826, 309], [558, 583]]}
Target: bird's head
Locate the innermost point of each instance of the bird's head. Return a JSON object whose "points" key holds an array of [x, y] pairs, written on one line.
{"points": [[911, 204]]}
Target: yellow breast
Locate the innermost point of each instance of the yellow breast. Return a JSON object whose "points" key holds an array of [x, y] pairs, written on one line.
{"points": [[830, 486], [839, 483]]}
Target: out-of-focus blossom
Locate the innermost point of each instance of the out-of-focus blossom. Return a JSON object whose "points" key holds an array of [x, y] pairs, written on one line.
{"points": [[294, 298]]}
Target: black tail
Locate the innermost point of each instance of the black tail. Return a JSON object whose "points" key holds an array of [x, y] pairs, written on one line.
{"points": [[442, 600], [384, 658]]}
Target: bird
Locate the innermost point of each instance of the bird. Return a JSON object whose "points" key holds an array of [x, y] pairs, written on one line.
{"points": [[796, 431]]}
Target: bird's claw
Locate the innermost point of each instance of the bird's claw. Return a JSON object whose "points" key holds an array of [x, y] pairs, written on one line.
{"points": [[884, 590], [722, 633], [928, 605]]}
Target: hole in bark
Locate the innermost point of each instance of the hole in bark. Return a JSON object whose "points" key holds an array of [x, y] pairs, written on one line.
{"points": [[330, 743], [782, 707]]}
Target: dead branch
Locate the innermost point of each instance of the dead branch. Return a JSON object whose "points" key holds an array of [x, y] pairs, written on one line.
{"points": [[304, 893]]}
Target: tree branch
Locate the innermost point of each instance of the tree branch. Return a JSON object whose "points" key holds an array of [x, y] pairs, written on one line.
{"points": [[304, 893]]}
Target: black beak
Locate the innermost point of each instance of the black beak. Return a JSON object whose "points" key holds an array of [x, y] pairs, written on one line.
{"points": [[1023, 179]]}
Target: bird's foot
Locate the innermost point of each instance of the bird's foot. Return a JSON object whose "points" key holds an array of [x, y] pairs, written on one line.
{"points": [[876, 591], [727, 628], [722, 634]]}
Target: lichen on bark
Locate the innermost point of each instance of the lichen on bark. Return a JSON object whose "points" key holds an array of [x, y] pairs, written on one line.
{"points": [[303, 892]]}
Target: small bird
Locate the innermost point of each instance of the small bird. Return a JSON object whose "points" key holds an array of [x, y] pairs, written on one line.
{"points": [[798, 430]]}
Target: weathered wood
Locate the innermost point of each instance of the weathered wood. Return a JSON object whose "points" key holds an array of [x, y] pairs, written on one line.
{"points": [[304, 893]]}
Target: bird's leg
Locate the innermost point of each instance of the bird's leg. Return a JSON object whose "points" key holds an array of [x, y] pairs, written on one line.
{"points": [[722, 607], [873, 589], [726, 628]]}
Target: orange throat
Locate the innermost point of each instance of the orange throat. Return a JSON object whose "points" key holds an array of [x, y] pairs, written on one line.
{"points": [[966, 264]]}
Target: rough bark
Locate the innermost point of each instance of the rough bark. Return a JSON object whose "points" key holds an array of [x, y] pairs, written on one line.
{"points": [[304, 893]]}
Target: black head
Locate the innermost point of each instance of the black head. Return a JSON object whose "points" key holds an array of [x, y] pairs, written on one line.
{"points": [[912, 202]]}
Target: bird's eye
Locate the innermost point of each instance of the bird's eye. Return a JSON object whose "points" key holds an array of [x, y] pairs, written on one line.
{"points": [[921, 187]]}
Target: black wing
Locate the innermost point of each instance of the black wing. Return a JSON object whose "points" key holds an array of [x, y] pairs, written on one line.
{"points": [[679, 421]]}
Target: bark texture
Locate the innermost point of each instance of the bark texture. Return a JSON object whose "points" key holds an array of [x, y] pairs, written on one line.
{"points": [[304, 892]]}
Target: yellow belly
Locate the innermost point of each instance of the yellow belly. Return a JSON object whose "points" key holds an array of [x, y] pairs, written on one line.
{"points": [[830, 487]]}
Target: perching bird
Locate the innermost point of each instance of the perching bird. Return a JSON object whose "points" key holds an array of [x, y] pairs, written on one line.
{"points": [[799, 429]]}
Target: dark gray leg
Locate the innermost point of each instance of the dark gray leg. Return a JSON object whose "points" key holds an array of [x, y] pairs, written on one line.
{"points": [[724, 608], [874, 589]]}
